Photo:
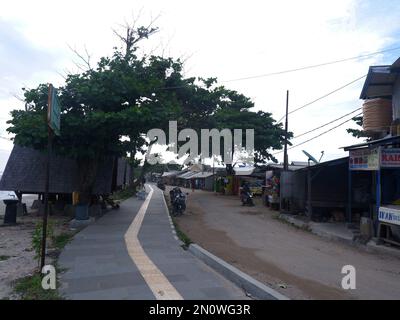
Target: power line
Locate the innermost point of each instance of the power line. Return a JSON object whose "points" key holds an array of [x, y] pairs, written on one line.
{"points": [[317, 136], [314, 66], [295, 69], [324, 96], [312, 130]]}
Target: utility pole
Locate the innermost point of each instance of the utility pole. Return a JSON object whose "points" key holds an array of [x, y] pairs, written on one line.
{"points": [[214, 186], [282, 205], [46, 188], [285, 156]]}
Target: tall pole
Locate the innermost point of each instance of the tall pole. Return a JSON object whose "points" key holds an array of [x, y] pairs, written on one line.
{"points": [[46, 188], [285, 156], [214, 186]]}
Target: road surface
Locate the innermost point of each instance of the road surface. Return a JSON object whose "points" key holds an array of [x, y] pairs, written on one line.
{"points": [[295, 262]]}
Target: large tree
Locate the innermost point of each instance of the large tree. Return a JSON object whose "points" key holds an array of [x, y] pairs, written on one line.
{"points": [[99, 107], [126, 95]]}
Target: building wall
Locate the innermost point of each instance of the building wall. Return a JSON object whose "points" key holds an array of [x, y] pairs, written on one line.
{"points": [[396, 100], [294, 188], [209, 183]]}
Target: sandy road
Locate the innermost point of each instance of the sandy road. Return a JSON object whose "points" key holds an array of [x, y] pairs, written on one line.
{"points": [[293, 261]]}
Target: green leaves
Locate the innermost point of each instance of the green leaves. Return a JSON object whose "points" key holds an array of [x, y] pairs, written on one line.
{"points": [[357, 132], [125, 95]]}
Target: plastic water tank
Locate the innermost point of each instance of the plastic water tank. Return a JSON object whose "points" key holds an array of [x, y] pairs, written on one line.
{"points": [[377, 115]]}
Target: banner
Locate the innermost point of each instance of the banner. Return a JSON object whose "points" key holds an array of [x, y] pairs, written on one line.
{"points": [[390, 158], [364, 159], [389, 215]]}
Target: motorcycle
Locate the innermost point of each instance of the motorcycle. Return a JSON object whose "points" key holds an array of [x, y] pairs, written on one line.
{"points": [[161, 185], [178, 201], [247, 198]]}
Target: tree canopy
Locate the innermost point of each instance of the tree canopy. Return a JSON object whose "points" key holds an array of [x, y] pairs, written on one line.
{"points": [[127, 95]]}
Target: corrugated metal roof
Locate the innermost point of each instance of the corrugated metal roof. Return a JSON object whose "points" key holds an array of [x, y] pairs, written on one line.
{"points": [[379, 82], [383, 141], [170, 173], [202, 175], [187, 175], [327, 163], [290, 167]]}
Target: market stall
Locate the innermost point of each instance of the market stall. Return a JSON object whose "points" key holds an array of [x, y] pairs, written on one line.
{"points": [[382, 159]]}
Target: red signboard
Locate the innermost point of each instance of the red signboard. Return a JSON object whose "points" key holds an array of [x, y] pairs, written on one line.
{"points": [[390, 158]]}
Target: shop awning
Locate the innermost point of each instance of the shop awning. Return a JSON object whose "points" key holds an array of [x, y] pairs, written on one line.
{"points": [[373, 143]]}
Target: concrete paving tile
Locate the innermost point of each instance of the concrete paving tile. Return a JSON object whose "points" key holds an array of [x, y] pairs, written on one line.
{"points": [[99, 265]]}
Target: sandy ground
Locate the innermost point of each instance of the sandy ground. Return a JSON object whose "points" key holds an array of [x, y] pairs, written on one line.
{"points": [[295, 262], [16, 253]]}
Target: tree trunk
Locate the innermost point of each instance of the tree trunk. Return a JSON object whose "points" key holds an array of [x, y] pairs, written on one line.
{"points": [[87, 178], [141, 175]]}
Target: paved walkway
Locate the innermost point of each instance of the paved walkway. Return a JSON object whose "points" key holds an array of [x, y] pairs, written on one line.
{"points": [[131, 253]]}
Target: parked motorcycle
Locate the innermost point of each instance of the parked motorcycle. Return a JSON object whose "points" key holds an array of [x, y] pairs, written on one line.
{"points": [[161, 185], [247, 199], [178, 201], [246, 196]]}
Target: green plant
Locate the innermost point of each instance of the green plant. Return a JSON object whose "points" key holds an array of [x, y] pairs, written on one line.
{"points": [[4, 257], [30, 288], [123, 194], [37, 237], [182, 236], [60, 241]]}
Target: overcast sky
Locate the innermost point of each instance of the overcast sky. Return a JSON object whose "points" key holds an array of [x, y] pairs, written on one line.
{"points": [[223, 39]]}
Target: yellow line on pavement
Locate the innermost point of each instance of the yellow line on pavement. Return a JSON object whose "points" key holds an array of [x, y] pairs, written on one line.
{"points": [[155, 279]]}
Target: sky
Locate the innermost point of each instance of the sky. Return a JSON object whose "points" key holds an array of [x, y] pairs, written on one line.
{"points": [[223, 39]]}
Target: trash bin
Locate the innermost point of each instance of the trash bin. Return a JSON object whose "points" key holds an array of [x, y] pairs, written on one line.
{"points": [[81, 212], [10, 217]]}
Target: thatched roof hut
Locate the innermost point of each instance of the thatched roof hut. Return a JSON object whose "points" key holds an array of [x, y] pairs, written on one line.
{"points": [[25, 172]]}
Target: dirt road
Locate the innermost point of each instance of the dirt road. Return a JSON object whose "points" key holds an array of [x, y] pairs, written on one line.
{"points": [[295, 262]]}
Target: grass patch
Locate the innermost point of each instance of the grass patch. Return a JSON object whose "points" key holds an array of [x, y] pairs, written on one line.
{"points": [[30, 288], [4, 258], [181, 235], [123, 194], [61, 240]]}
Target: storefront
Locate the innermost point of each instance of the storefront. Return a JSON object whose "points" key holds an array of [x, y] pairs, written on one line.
{"points": [[378, 160]]}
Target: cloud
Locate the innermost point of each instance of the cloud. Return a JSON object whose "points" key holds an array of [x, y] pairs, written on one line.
{"points": [[227, 39], [20, 59]]}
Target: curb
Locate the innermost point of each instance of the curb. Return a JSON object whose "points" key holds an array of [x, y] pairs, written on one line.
{"points": [[370, 247], [320, 233], [252, 286]]}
